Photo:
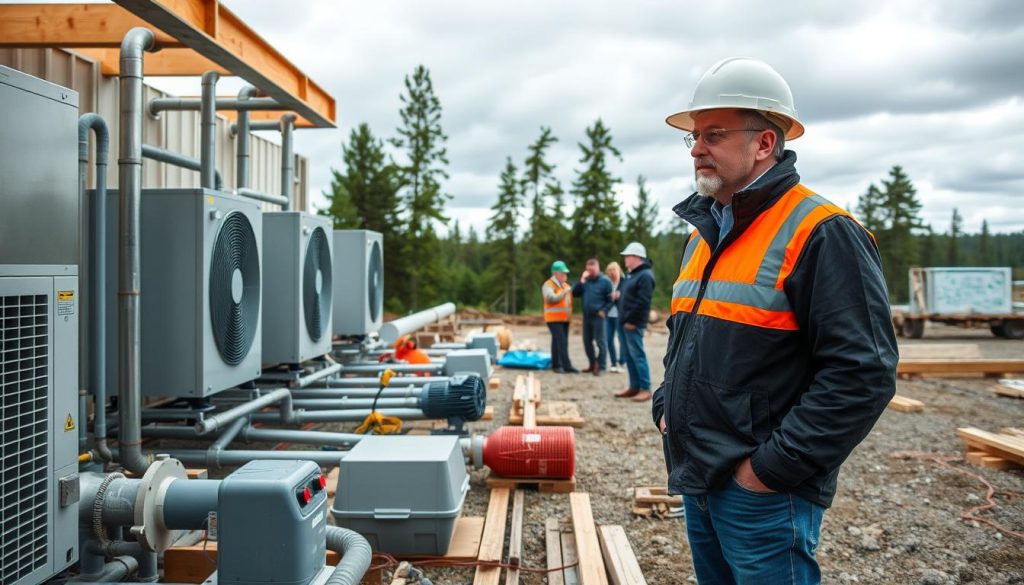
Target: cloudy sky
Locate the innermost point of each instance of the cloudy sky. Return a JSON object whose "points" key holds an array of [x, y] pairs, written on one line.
{"points": [[935, 86]]}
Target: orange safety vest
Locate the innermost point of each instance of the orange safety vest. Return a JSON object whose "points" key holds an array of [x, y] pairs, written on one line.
{"points": [[746, 284], [557, 312]]}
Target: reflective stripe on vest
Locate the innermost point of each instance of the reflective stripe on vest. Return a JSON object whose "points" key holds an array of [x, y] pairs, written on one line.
{"points": [[558, 311], [746, 284]]}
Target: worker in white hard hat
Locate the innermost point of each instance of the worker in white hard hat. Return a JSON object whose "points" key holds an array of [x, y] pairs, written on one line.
{"points": [[634, 298], [781, 355]]}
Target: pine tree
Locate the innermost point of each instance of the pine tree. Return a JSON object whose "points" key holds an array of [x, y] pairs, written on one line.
{"points": [[955, 231], [596, 223], [870, 210], [545, 240], [641, 221], [423, 200], [900, 212], [365, 196], [502, 230], [985, 256]]}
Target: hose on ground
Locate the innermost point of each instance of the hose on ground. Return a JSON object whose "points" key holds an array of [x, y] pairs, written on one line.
{"points": [[355, 554]]}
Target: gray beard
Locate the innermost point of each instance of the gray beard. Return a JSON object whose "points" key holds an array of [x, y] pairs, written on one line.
{"points": [[709, 186]]}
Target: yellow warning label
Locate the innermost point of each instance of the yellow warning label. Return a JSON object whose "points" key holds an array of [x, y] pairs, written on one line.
{"points": [[65, 295], [69, 424], [209, 199]]}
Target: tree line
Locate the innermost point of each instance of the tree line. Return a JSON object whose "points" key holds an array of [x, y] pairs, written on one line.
{"points": [[399, 191]]}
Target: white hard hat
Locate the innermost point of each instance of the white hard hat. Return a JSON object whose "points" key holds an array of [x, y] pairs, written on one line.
{"points": [[635, 249], [742, 82]]}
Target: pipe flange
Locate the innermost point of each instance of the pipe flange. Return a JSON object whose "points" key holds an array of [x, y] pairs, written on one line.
{"points": [[150, 529]]}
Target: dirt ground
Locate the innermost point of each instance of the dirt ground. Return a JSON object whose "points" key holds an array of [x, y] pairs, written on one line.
{"points": [[893, 521]]}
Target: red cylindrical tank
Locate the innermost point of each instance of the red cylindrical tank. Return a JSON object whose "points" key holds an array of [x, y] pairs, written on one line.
{"points": [[542, 452]]}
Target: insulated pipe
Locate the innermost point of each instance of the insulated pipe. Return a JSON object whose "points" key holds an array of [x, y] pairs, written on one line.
{"points": [[392, 330], [242, 147], [180, 160], [355, 554], [129, 380], [265, 197], [287, 159], [212, 423], [97, 282], [174, 104], [208, 131]]}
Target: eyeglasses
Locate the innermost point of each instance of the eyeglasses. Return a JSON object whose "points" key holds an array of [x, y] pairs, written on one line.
{"points": [[713, 137]]}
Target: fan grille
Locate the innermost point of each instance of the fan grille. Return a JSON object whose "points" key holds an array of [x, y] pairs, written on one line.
{"points": [[317, 296], [235, 288]]}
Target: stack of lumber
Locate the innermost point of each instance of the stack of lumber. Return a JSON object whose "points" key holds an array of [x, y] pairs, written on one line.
{"points": [[655, 502], [993, 368], [1002, 450], [1009, 388], [529, 411]]}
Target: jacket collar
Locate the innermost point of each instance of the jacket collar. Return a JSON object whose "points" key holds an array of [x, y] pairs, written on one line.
{"points": [[746, 204], [645, 266]]}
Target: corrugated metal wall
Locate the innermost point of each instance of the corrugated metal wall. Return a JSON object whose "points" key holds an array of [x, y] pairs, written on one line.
{"points": [[174, 131]]}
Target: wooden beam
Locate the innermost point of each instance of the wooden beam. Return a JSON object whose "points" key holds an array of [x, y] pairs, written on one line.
{"points": [[1006, 446], [588, 550], [553, 547], [167, 62], [214, 31], [195, 563], [515, 539], [619, 557], [970, 366], [70, 25], [493, 542], [904, 404]]}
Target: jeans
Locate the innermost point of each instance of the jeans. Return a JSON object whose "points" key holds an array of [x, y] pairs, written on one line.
{"points": [[612, 329], [636, 358], [593, 332], [559, 346], [741, 537]]}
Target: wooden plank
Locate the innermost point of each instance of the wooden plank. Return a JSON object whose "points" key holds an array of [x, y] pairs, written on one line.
{"points": [[619, 558], [1009, 388], [904, 404], [544, 486], [515, 539], [655, 495], [465, 544], [70, 25], [195, 563], [591, 568], [552, 414], [197, 473], [948, 367], [488, 413], [493, 542], [913, 351], [494, 383], [570, 557], [983, 459], [553, 547], [1005, 446], [1012, 431], [332, 481], [519, 392]]}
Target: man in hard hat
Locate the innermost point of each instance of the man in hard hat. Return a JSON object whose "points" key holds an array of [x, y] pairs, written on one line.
{"points": [[781, 355], [634, 297], [557, 297]]}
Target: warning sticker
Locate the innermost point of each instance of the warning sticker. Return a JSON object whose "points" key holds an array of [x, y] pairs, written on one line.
{"points": [[65, 302], [69, 424]]}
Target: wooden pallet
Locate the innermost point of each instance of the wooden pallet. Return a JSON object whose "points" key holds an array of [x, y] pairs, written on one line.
{"points": [[959, 367], [916, 351], [555, 413], [655, 502], [619, 558], [1003, 450], [195, 563], [544, 486], [904, 404]]}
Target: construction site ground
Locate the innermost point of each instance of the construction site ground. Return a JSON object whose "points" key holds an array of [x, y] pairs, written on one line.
{"points": [[893, 521]]}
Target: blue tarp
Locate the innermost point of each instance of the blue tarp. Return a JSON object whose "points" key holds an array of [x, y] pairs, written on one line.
{"points": [[530, 360]]}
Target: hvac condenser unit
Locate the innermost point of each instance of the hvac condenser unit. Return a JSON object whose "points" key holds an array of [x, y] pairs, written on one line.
{"points": [[359, 287], [39, 311], [201, 291], [297, 286]]}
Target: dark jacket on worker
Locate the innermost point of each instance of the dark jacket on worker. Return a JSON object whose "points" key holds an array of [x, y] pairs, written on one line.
{"points": [[796, 402], [635, 292], [596, 293]]}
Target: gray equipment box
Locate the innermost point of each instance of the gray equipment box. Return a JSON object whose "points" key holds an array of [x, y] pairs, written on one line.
{"points": [[948, 291], [403, 494], [359, 282], [267, 533], [473, 361], [201, 291], [297, 286], [488, 341]]}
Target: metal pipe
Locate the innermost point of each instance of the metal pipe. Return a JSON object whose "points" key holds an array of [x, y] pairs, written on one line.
{"points": [[229, 434], [187, 504], [265, 197], [176, 104], [129, 382], [180, 160], [399, 368], [306, 416], [242, 147], [208, 131], [392, 330], [287, 159], [370, 382], [95, 364], [266, 125], [262, 435], [318, 375], [336, 393], [112, 572], [240, 457], [355, 403], [212, 423]]}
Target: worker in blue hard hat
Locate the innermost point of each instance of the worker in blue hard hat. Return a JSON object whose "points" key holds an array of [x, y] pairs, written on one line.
{"points": [[557, 296]]}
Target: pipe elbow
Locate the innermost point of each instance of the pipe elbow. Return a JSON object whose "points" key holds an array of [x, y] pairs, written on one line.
{"points": [[97, 124], [136, 42]]}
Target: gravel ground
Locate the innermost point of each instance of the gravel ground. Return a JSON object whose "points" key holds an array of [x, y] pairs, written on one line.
{"points": [[893, 521]]}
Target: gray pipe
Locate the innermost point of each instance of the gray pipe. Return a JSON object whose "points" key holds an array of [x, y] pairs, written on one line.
{"points": [[112, 572], [129, 380], [265, 125], [369, 368], [370, 382], [318, 375], [307, 416], [287, 159], [355, 554], [242, 148], [392, 330], [212, 423], [348, 403], [97, 281], [267, 197], [208, 131], [332, 393], [229, 434], [187, 504], [175, 104], [262, 435], [180, 160], [233, 458]]}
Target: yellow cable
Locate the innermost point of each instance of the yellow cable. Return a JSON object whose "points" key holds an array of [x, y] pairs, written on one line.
{"points": [[375, 422]]}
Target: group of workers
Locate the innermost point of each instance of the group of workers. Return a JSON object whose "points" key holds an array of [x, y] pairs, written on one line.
{"points": [[615, 306], [781, 354]]}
